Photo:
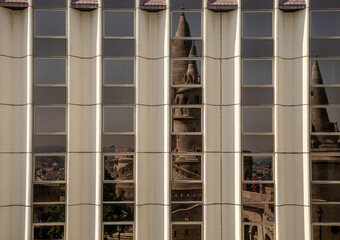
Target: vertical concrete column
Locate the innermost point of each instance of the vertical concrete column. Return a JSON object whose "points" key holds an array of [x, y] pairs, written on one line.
{"points": [[291, 82], [84, 125], [152, 125], [16, 123]]}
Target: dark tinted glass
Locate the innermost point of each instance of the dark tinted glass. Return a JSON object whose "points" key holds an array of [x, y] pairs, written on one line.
{"points": [[49, 47], [49, 3], [119, 24], [118, 143], [194, 24], [50, 71], [257, 96], [49, 193], [118, 191], [118, 119], [49, 168], [330, 71], [186, 212], [258, 143], [118, 71], [257, 72], [258, 4], [265, 212], [184, 96], [48, 232], [257, 24], [187, 43], [257, 120], [186, 120], [119, 4], [257, 48], [328, 213], [186, 191], [325, 192], [50, 95], [257, 168], [180, 74], [331, 232], [118, 231], [325, 24], [192, 232], [118, 167], [119, 47], [186, 167], [186, 4], [325, 47], [118, 212], [49, 119], [323, 4], [326, 168], [254, 231], [186, 143], [118, 95], [49, 213], [333, 96], [50, 23], [266, 192], [49, 143]]}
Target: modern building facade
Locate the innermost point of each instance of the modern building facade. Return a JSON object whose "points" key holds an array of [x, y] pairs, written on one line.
{"points": [[170, 120]]}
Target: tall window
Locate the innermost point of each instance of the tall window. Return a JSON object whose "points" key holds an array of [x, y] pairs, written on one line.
{"points": [[324, 119], [257, 120], [186, 124], [118, 139], [49, 139]]}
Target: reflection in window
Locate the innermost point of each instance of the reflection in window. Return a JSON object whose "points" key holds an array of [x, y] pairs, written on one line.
{"points": [[48, 232], [258, 4], [257, 24], [118, 167], [50, 23], [257, 168], [186, 119], [192, 231], [186, 167], [118, 231], [257, 120], [50, 71], [50, 119], [118, 95], [118, 24], [118, 212], [257, 96], [117, 4], [257, 48], [50, 95], [186, 4], [117, 71], [257, 72], [49, 168]]}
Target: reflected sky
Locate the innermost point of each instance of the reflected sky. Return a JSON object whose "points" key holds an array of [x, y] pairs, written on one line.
{"points": [[118, 119], [257, 24], [50, 71], [257, 120], [330, 71], [49, 119], [118, 71], [257, 72], [258, 143], [50, 23], [119, 24], [186, 4], [325, 24]]}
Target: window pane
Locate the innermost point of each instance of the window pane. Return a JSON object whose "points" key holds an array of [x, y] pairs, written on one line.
{"points": [[118, 191], [258, 4], [186, 4], [190, 20], [118, 231], [181, 48], [257, 24], [257, 48], [119, 47], [257, 72], [325, 47], [258, 143], [257, 120], [257, 96], [330, 71], [119, 4], [186, 72], [118, 119], [48, 232], [118, 95], [119, 24], [50, 71], [49, 168], [324, 4], [326, 168], [186, 143], [118, 167], [257, 168], [119, 71], [118, 143], [186, 191], [184, 96], [325, 24], [326, 232], [49, 47], [50, 95], [49, 119], [259, 232], [49, 193], [50, 23], [49, 213], [49, 3], [325, 192], [325, 119], [186, 119], [186, 167], [186, 212], [258, 192], [49, 143], [258, 212], [118, 212], [192, 232], [325, 213]]}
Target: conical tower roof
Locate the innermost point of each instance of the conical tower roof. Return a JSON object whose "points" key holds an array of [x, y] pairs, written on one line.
{"points": [[183, 29]]}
